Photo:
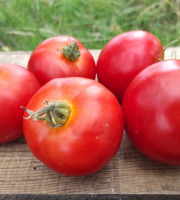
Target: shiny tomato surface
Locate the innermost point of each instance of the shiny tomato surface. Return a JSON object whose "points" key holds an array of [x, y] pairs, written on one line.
{"points": [[124, 57], [17, 85], [91, 135], [48, 61], [151, 107]]}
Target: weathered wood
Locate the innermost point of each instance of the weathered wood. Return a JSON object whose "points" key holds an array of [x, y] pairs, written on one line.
{"points": [[129, 175], [89, 197], [21, 57]]}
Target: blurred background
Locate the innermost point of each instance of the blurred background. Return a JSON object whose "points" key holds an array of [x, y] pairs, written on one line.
{"points": [[26, 23]]}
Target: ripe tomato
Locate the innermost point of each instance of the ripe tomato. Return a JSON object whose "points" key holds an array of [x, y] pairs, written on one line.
{"points": [[151, 107], [124, 57], [82, 127], [17, 85], [61, 56]]}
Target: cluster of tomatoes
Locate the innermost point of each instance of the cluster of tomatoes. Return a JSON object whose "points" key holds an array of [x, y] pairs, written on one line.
{"points": [[74, 123]]}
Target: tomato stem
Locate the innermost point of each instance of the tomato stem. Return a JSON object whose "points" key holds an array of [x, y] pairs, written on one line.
{"points": [[56, 113], [71, 51]]}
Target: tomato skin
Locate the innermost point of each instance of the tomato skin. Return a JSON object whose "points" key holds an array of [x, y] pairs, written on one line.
{"points": [[151, 107], [47, 62], [92, 134], [17, 85], [124, 57]]}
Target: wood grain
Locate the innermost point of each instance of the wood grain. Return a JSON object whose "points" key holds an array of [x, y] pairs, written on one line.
{"points": [[88, 197], [129, 175]]}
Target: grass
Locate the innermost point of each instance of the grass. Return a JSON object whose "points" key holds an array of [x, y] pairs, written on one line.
{"points": [[25, 23]]}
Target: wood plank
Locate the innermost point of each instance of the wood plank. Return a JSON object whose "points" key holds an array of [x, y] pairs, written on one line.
{"points": [[21, 57], [88, 197], [129, 175]]}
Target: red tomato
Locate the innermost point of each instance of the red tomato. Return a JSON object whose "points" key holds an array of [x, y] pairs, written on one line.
{"points": [[61, 56], [17, 85], [124, 57], [151, 107], [87, 132]]}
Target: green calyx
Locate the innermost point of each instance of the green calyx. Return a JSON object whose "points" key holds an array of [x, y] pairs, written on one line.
{"points": [[55, 114], [71, 52]]}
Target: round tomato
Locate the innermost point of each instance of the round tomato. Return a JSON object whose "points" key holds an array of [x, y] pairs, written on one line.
{"points": [[151, 107], [61, 56], [124, 57], [80, 129], [17, 85]]}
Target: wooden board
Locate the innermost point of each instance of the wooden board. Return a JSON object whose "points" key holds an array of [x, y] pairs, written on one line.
{"points": [[129, 175]]}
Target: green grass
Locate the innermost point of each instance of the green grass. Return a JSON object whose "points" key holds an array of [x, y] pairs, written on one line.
{"points": [[26, 23]]}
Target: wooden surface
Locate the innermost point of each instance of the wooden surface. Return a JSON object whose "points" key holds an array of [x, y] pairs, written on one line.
{"points": [[129, 175]]}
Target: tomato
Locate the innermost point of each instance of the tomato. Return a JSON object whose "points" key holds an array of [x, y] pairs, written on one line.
{"points": [[17, 85], [83, 131], [124, 57], [61, 56], [151, 107]]}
